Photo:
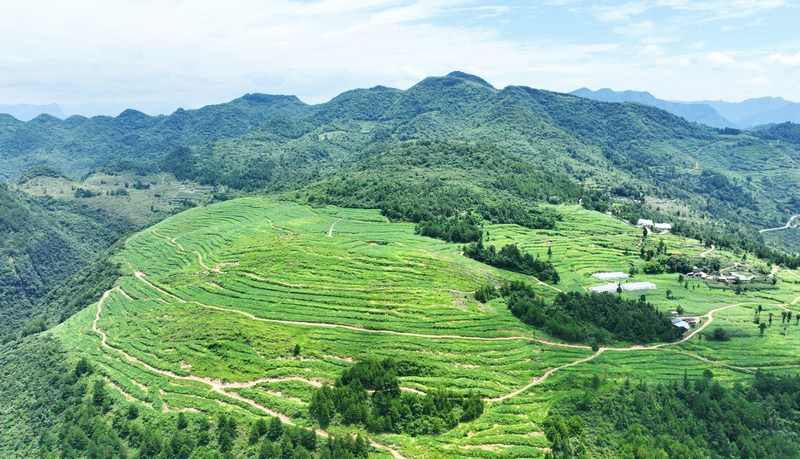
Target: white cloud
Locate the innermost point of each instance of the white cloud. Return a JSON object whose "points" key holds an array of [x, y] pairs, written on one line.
{"points": [[157, 55], [791, 60], [720, 60]]}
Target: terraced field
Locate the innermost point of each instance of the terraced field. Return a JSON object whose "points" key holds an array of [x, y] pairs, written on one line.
{"points": [[215, 299]]}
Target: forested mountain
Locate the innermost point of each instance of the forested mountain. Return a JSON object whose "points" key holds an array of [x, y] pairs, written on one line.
{"points": [[78, 144], [445, 146], [44, 242], [616, 152], [735, 180]]}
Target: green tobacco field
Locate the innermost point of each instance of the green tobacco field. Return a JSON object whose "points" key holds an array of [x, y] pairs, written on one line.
{"points": [[213, 301]]}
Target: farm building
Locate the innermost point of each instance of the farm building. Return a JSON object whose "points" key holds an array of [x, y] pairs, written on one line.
{"points": [[627, 287], [610, 276], [607, 288], [644, 223], [680, 323], [741, 277], [636, 286], [663, 227]]}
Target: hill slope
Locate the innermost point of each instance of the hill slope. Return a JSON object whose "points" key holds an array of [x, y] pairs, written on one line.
{"points": [[248, 306]]}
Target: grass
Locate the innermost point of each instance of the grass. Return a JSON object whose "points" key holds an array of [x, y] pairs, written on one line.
{"points": [[228, 290]]}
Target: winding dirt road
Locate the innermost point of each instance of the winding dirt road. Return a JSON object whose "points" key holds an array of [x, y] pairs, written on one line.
{"points": [[536, 381], [330, 230], [786, 226], [215, 385]]}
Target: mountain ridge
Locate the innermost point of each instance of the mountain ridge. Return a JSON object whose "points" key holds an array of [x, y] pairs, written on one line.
{"points": [[749, 113]]}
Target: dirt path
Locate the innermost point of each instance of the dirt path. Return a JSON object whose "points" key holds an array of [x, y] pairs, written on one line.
{"points": [[330, 230], [177, 244], [543, 378], [709, 316], [141, 276], [215, 385], [703, 255], [786, 226]]}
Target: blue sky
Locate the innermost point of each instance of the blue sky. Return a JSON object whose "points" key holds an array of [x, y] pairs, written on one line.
{"points": [[156, 55]]}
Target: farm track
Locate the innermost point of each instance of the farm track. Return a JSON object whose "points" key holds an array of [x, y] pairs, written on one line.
{"points": [[215, 385], [330, 230], [536, 381], [786, 226], [543, 378], [703, 255]]}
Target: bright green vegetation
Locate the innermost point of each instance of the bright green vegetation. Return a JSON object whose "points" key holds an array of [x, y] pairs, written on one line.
{"points": [[248, 307], [787, 239]]}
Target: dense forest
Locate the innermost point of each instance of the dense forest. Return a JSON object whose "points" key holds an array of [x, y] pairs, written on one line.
{"points": [[592, 318], [511, 258], [683, 419], [369, 394]]}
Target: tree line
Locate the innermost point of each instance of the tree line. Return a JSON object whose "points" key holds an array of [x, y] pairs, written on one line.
{"points": [[368, 394], [591, 318], [511, 258], [689, 418]]}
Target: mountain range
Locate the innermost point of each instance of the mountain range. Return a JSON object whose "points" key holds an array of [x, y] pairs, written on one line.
{"points": [[747, 114]]}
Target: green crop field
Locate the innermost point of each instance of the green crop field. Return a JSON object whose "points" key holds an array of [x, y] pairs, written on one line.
{"points": [[213, 301]]}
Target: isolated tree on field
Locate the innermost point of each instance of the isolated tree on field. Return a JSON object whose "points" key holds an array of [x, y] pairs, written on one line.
{"points": [[296, 350], [760, 308], [549, 253], [788, 316], [770, 319], [761, 327], [680, 278], [669, 294], [619, 289]]}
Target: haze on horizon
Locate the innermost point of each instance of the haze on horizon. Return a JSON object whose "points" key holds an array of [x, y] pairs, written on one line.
{"points": [[95, 57]]}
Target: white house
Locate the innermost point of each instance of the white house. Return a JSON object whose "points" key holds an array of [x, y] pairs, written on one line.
{"points": [[644, 223], [663, 227]]}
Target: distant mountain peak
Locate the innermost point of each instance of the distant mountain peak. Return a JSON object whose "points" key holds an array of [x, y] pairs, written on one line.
{"points": [[260, 98], [27, 112], [469, 77]]}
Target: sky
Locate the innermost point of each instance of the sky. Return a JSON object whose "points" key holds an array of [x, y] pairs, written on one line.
{"points": [[96, 57]]}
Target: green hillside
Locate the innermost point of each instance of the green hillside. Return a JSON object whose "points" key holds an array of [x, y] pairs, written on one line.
{"points": [[398, 273], [247, 307]]}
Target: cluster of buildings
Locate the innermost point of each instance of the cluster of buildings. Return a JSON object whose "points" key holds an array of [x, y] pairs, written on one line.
{"points": [[730, 278]]}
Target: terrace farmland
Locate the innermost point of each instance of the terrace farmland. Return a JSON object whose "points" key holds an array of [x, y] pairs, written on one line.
{"points": [[214, 300]]}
